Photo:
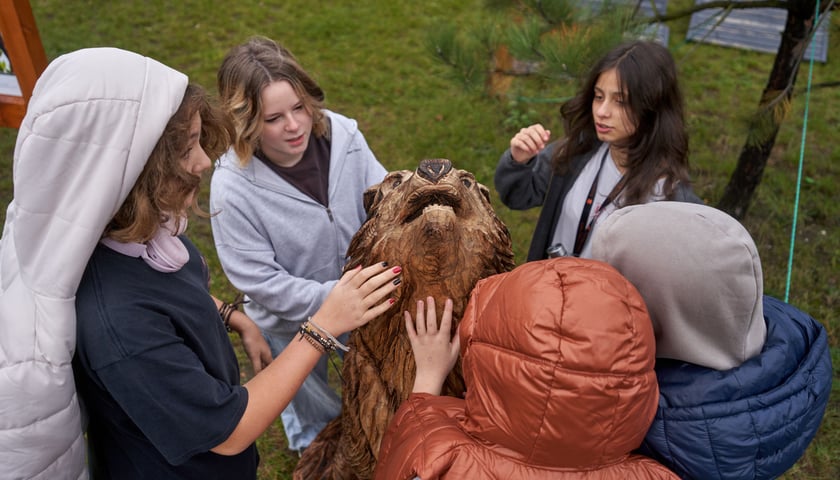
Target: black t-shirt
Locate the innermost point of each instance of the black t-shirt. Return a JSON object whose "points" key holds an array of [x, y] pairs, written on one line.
{"points": [[156, 372], [311, 175]]}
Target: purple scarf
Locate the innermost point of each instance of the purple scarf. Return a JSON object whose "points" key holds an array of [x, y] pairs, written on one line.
{"points": [[164, 252]]}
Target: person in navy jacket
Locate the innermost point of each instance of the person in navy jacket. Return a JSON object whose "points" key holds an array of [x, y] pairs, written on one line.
{"points": [[744, 378]]}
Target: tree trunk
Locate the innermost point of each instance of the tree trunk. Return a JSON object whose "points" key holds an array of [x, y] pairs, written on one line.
{"points": [[772, 109]]}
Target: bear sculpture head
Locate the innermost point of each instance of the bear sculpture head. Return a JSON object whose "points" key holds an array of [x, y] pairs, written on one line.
{"points": [[438, 224]]}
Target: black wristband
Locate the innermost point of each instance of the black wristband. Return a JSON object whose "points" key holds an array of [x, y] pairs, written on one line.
{"points": [[227, 309]]}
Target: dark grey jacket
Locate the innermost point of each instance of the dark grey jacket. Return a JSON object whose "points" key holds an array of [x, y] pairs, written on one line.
{"points": [[534, 184]]}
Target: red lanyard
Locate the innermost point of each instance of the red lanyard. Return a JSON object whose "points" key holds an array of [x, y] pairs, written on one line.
{"points": [[585, 227]]}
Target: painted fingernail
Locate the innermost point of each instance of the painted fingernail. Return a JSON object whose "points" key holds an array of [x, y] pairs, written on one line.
{"points": [[396, 281], [392, 300], [397, 269], [384, 264]]}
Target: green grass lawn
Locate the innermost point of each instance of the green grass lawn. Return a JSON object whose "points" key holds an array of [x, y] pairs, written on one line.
{"points": [[372, 60]]}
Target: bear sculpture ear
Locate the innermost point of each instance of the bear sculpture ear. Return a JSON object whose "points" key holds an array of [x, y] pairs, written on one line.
{"points": [[371, 197], [374, 194], [485, 192]]}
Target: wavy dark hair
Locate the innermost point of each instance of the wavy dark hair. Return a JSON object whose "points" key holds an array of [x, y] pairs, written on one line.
{"points": [[245, 71], [163, 186], [658, 149]]}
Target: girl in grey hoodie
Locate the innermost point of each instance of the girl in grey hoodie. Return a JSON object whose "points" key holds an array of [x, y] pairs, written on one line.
{"points": [[287, 199]]}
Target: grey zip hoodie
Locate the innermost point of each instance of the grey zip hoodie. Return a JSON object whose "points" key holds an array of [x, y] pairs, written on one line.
{"points": [[284, 250]]}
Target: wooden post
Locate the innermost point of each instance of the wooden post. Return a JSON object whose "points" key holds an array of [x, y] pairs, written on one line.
{"points": [[26, 53]]}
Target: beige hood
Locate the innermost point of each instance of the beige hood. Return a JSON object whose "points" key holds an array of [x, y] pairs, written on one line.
{"points": [[700, 275]]}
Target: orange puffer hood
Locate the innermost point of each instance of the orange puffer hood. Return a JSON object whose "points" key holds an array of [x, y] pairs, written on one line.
{"points": [[558, 357]]}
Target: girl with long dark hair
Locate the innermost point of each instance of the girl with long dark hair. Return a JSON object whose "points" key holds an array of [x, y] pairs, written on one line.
{"points": [[625, 144]]}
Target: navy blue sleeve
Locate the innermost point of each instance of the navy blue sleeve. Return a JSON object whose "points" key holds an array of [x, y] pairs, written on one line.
{"points": [[168, 393]]}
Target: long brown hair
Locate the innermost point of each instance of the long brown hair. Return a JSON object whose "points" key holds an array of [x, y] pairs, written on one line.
{"points": [[246, 70], [163, 186], [659, 146]]}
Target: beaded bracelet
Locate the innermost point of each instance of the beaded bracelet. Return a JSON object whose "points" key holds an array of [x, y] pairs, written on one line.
{"points": [[227, 309], [329, 335], [314, 343], [310, 334]]}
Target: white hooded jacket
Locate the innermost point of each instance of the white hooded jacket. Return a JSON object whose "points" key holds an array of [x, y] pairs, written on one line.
{"points": [[94, 117]]}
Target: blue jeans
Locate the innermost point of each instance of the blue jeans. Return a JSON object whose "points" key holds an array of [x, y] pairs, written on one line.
{"points": [[314, 405]]}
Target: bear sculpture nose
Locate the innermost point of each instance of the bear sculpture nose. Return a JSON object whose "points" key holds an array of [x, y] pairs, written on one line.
{"points": [[434, 169]]}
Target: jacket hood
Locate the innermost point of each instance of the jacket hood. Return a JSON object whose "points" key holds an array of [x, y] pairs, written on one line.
{"points": [[713, 424], [699, 271], [558, 356], [94, 117]]}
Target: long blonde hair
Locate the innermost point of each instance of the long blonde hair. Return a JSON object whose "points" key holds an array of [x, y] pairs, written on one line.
{"points": [[246, 70]]}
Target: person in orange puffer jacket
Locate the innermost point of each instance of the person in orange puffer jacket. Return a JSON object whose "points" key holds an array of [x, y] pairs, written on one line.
{"points": [[558, 360]]}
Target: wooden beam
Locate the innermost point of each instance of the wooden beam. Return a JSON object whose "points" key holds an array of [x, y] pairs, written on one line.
{"points": [[26, 53]]}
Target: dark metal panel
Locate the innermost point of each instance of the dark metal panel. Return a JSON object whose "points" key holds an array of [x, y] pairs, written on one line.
{"points": [[758, 29]]}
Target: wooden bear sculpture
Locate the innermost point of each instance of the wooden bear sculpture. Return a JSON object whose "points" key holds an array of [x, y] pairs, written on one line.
{"points": [[438, 224]]}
